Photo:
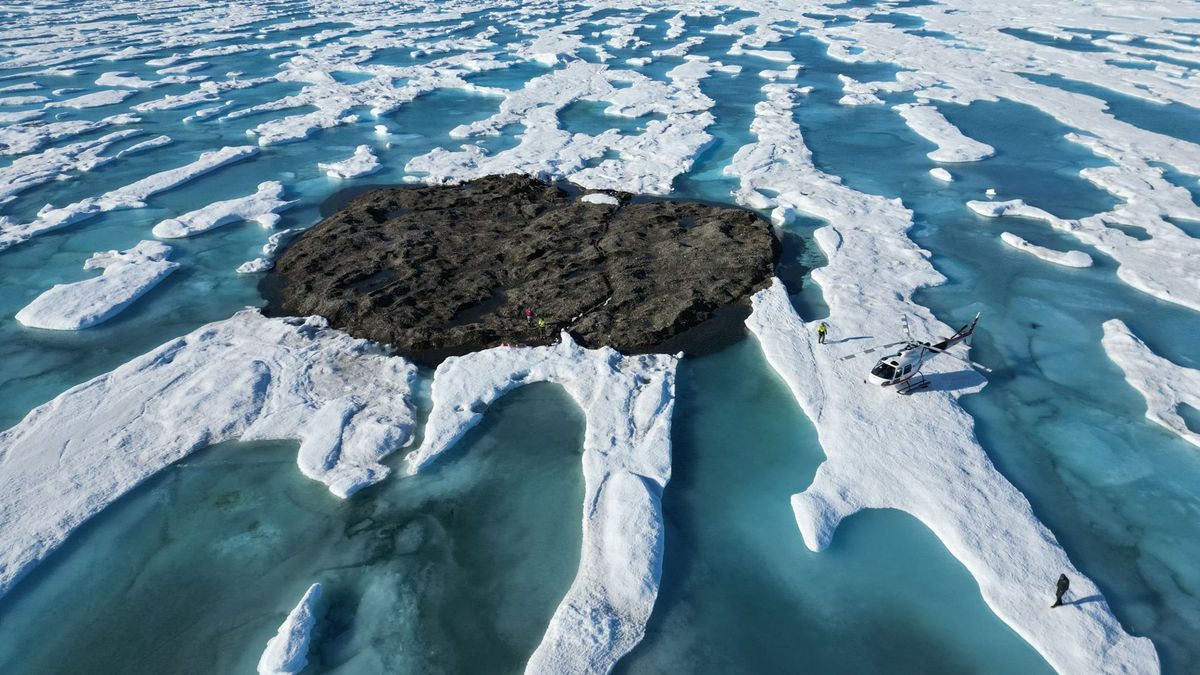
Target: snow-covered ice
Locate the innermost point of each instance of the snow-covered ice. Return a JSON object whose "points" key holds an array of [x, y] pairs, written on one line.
{"points": [[131, 196], [1064, 258], [600, 198], [127, 276], [93, 100], [627, 403], [953, 146], [362, 163], [247, 377], [287, 652], [918, 454], [262, 207], [941, 174], [270, 250], [1163, 384]]}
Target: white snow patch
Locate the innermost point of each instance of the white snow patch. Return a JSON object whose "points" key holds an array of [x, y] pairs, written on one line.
{"points": [[1064, 258], [287, 652], [269, 251], [1163, 384], [953, 145], [600, 198], [247, 377], [627, 402], [127, 276], [262, 207], [362, 163], [93, 100], [131, 196]]}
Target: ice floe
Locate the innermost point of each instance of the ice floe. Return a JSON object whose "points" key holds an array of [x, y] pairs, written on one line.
{"points": [[941, 174], [270, 250], [1163, 384], [52, 164], [953, 146], [262, 207], [917, 454], [93, 100], [627, 403], [647, 163], [600, 198], [362, 163], [1064, 258], [127, 276], [247, 377], [131, 196], [287, 652]]}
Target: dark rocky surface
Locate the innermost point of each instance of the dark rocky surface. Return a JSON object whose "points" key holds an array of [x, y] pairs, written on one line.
{"points": [[445, 270]]}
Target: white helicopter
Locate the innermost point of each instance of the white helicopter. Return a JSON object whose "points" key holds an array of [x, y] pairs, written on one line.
{"points": [[903, 368]]}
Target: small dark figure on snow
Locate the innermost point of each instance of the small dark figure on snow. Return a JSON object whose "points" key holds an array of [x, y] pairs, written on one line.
{"points": [[1063, 584], [822, 332]]}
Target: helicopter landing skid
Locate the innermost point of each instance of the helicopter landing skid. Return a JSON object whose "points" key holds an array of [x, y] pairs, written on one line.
{"points": [[915, 384]]}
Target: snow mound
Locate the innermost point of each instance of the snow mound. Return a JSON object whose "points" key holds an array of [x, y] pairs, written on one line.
{"points": [[953, 145], [627, 403], [287, 652], [362, 163], [127, 276], [600, 198], [1163, 384], [262, 206], [941, 174], [1064, 258], [245, 378]]}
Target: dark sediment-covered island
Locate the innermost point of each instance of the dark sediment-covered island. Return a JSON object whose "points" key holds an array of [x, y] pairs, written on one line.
{"points": [[443, 270]]}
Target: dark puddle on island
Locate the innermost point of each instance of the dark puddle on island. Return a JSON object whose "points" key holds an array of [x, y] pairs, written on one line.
{"points": [[455, 570]]}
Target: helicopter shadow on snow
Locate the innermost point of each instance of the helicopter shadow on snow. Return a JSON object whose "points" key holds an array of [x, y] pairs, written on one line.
{"points": [[952, 381], [848, 339]]}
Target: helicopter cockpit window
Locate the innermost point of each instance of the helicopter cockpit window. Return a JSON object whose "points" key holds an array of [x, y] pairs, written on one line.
{"points": [[884, 370], [906, 369]]}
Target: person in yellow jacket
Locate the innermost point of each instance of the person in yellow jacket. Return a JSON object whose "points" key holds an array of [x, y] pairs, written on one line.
{"points": [[822, 332]]}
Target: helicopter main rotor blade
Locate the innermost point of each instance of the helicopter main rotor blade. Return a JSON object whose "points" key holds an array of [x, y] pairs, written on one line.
{"points": [[873, 349], [969, 362]]}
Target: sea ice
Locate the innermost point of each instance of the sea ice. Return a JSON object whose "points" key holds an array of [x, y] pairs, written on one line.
{"points": [[131, 196], [262, 207], [1163, 384], [247, 377], [269, 251], [941, 174], [127, 276], [953, 146], [93, 100], [1064, 258], [362, 163], [287, 652], [917, 454], [600, 198], [627, 403]]}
